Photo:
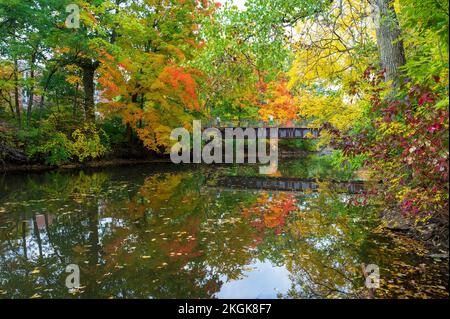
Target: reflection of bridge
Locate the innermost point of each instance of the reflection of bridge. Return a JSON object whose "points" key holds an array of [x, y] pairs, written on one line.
{"points": [[288, 184], [282, 132]]}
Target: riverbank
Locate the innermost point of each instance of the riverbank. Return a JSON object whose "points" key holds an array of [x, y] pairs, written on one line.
{"points": [[14, 168], [432, 233], [119, 159]]}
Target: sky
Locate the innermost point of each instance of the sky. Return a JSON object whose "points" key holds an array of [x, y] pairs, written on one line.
{"points": [[239, 3]]}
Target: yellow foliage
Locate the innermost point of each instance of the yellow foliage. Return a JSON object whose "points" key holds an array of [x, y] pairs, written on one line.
{"points": [[329, 46], [320, 109], [73, 79], [86, 143]]}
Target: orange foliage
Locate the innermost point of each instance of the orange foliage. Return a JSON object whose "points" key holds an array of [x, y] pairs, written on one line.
{"points": [[279, 102], [150, 88], [183, 83]]}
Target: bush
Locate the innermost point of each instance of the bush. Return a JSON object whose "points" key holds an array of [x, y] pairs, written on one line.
{"points": [[87, 143], [301, 144], [113, 129], [407, 145], [353, 163], [57, 147]]}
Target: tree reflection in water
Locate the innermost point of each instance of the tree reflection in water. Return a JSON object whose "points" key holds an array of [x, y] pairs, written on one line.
{"points": [[163, 232]]}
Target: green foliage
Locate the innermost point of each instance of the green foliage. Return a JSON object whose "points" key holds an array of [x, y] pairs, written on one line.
{"points": [[159, 64], [353, 163], [56, 149], [427, 15], [301, 144], [407, 147], [113, 129]]}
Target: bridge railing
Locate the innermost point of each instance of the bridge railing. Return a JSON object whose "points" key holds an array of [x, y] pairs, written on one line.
{"points": [[252, 123]]}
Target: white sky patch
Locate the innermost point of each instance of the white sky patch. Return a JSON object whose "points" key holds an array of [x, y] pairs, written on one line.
{"points": [[239, 3]]}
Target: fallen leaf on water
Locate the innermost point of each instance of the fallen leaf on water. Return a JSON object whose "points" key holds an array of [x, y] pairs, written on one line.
{"points": [[35, 271]]}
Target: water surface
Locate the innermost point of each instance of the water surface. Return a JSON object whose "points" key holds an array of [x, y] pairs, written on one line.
{"points": [[168, 231]]}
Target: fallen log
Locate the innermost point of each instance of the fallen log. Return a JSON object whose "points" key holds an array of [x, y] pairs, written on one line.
{"points": [[12, 153]]}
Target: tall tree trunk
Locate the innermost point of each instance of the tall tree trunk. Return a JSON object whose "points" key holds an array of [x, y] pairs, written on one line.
{"points": [[75, 100], [44, 92], [89, 90], [129, 134], [129, 130], [16, 92], [31, 95], [390, 45], [12, 109], [41, 105], [9, 101]]}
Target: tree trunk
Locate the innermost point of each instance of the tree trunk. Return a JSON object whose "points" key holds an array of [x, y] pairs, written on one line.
{"points": [[129, 134], [41, 105], [9, 101], [89, 90], [44, 92], [129, 130], [390, 45], [12, 109], [31, 95], [75, 100], [16, 92]]}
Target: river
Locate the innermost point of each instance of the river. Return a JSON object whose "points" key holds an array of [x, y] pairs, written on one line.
{"points": [[180, 231]]}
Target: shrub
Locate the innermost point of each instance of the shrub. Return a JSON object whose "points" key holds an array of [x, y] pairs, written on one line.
{"points": [[302, 144], [87, 143], [56, 149], [353, 163], [407, 145], [113, 129]]}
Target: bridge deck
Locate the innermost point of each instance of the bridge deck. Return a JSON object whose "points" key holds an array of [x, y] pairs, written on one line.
{"points": [[282, 132]]}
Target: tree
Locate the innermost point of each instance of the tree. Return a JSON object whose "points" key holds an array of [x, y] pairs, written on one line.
{"points": [[244, 48], [146, 78], [279, 103], [390, 43]]}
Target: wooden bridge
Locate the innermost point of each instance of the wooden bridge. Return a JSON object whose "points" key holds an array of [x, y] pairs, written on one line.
{"points": [[282, 132]]}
